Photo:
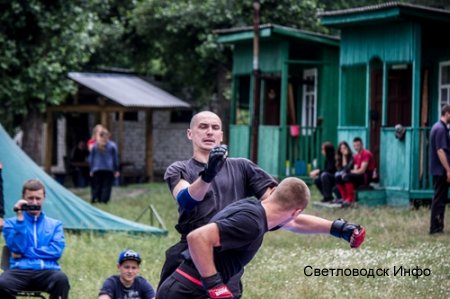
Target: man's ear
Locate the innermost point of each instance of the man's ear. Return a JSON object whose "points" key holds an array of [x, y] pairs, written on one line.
{"points": [[297, 212], [189, 134]]}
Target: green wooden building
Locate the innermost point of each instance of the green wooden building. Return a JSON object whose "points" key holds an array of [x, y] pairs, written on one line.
{"points": [[298, 96], [394, 69]]}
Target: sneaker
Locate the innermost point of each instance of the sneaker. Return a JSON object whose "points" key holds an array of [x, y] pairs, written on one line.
{"points": [[346, 204], [327, 199], [338, 201]]}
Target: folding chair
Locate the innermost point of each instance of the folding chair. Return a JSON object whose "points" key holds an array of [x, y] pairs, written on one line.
{"points": [[5, 266]]}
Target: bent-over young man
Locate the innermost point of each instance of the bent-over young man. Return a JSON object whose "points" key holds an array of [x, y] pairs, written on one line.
{"points": [[222, 248]]}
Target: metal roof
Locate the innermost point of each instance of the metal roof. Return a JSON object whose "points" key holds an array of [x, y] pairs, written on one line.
{"points": [[236, 34], [382, 11], [128, 90]]}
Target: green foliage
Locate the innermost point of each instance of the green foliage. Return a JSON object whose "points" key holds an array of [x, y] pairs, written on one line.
{"points": [[40, 42], [180, 36], [174, 40]]}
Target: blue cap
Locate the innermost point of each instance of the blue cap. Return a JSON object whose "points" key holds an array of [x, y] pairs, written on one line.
{"points": [[129, 255]]}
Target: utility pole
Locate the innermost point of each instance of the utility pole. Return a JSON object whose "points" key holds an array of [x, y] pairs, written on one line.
{"points": [[256, 83]]}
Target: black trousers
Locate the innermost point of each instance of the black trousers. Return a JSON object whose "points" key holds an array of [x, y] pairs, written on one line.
{"points": [[359, 179], [102, 182], [440, 186], [53, 282], [325, 182], [179, 287], [174, 259]]}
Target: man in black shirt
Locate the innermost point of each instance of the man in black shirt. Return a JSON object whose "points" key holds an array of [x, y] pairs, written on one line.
{"points": [[220, 249], [207, 183]]}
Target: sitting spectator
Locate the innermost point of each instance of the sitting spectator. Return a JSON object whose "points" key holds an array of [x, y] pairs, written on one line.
{"points": [[344, 165], [364, 165], [36, 243], [362, 172], [127, 284], [79, 165], [324, 178]]}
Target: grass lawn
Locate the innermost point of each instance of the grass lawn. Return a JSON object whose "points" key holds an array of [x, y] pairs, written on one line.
{"points": [[284, 267]]}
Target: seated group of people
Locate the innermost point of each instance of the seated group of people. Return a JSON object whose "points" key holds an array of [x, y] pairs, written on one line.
{"points": [[343, 171], [36, 243]]}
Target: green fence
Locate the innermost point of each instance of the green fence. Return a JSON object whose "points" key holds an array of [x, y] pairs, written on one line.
{"points": [[303, 150]]}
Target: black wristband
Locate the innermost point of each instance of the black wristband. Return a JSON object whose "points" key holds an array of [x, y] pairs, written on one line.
{"points": [[212, 281], [337, 227], [205, 177]]}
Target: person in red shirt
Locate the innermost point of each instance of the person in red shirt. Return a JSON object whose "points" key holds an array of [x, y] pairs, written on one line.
{"points": [[364, 164]]}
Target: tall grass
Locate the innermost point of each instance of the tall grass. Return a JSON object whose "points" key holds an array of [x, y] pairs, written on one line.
{"points": [[395, 238]]}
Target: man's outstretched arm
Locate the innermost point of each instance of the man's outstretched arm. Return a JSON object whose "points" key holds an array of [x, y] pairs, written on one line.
{"points": [[309, 224]]}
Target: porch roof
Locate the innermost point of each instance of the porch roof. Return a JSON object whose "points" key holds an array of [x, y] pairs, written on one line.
{"points": [[238, 34], [381, 13], [128, 90]]}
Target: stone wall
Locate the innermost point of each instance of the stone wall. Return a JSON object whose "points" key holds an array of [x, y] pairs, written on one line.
{"points": [[169, 142]]}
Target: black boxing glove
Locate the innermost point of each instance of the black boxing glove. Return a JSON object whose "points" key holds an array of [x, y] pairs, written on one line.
{"points": [[216, 288], [352, 233], [217, 157]]}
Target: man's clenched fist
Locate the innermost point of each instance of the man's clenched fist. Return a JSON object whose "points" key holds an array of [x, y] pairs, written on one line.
{"points": [[216, 288], [352, 233], [217, 157]]}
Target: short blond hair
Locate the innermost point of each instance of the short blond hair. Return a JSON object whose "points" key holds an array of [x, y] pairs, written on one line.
{"points": [[292, 193]]}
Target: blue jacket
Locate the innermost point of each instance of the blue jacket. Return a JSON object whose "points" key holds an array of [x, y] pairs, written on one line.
{"points": [[106, 160], [40, 241]]}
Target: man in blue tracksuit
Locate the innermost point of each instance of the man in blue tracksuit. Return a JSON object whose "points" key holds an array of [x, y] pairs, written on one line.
{"points": [[36, 243]]}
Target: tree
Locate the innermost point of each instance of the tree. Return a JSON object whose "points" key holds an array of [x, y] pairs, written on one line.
{"points": [[180, 44], [40, 42]]}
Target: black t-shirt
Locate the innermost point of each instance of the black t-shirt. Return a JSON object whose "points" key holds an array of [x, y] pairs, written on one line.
{"points": [[140, 289], [239, 178], [439, 139], [242, 226]]}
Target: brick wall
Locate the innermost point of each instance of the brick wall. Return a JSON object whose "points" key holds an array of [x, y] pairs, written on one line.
{"points": [[169, 142]]}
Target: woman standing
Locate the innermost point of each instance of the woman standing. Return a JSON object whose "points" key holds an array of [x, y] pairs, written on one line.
{"points": [[104, 167]]}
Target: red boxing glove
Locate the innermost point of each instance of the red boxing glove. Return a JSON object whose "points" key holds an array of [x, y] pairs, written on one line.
{"points": [[352, 233], [220, 291], [357, 237], [216, 288]]}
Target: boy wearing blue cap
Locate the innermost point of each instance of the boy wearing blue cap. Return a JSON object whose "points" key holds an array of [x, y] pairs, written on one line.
{"points": [[127, 284]]}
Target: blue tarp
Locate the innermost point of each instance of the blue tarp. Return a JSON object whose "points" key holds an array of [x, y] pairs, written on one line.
{"points": [[60, 203]]}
